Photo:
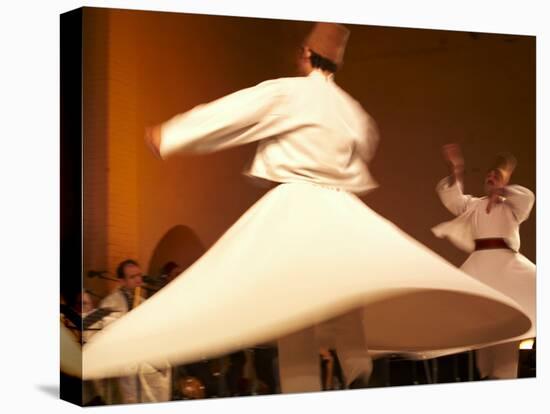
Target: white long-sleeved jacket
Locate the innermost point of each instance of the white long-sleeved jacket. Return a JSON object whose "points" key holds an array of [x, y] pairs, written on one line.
{"points": [[473, 222], [308, 129]]}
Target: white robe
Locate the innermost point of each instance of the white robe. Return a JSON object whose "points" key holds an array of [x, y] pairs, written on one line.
{"points": [[140, 382], [308, 130], [306, 252], [70, 352], [505, 270]]}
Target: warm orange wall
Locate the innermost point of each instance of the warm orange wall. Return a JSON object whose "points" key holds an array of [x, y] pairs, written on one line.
{"points": [[123, 186], [95, 146], [428, 88], [424, 88]]}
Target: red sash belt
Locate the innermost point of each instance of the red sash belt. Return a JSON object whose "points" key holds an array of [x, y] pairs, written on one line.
{"points": [[493, 243]]}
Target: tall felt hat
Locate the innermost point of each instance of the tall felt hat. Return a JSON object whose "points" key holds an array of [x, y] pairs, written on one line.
{"points": [[328, 40], [505, 163]]}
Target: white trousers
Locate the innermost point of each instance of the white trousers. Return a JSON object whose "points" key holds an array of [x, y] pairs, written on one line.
{"points": [[299, 366], [499, 361]]}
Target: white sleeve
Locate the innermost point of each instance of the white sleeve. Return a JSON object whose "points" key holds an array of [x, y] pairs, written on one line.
{"points": [[369, 141], [239, 118], [114, 302], [520, 200], [452, 197]]}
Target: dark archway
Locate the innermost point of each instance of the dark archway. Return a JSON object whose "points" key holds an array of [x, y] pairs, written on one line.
{"points": [[181, 245]]}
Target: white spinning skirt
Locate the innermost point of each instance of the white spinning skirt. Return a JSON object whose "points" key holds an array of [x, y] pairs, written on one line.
{"points": [[70, 360], [301, 255]]}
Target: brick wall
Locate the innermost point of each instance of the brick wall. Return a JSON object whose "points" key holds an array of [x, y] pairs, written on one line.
{"points": [[95, 134], [124, 136]]}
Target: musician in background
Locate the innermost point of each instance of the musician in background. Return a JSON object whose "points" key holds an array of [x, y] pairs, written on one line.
{"points": [[75, 308], [168, 272], [84, 306], [147, 383], [84, 303]]}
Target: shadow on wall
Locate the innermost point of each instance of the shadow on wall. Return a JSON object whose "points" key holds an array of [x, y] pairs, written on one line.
{"points": [[181, 245]]}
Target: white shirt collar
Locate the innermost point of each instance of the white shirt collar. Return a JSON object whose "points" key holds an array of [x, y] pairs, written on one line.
{"points": [[318, 74]]}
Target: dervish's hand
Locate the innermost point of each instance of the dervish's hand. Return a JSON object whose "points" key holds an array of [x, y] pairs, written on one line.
{"points": [[152, 139]]}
